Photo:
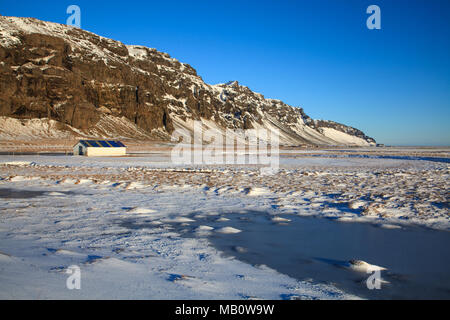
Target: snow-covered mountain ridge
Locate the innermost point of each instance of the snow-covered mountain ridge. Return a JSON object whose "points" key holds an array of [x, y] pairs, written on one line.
{"points": [[92, 86]]}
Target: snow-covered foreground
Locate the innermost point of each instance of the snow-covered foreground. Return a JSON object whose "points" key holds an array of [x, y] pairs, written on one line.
{"points": [[124, 244], [118, 220]]}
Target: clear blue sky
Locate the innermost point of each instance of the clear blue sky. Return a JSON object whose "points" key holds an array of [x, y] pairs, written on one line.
{"points": [[394, 83]]}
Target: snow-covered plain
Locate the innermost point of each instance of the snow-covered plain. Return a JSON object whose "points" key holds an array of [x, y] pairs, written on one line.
{"points": [[117, 219]]}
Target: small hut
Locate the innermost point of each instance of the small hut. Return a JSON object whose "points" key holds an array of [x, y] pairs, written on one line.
{"points": [[99, 148]]}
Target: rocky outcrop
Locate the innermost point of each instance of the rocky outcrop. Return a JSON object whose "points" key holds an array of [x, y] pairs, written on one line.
{"points": [[75, 77], [52, 76], [319, 124]]}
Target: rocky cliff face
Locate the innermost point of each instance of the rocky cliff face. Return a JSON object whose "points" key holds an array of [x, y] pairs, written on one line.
{"points": [[88, 83]]}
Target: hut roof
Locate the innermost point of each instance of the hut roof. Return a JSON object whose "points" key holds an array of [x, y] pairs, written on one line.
{"points": [[102, 144]]}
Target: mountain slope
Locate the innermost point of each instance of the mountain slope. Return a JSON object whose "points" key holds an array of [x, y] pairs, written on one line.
{"points": [[88, 83]]}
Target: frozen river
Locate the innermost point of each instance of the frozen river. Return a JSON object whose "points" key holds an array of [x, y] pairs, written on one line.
{"points": [[417, 258]]}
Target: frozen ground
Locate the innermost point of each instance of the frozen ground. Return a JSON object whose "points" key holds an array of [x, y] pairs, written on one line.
{"points": [[124, 243], [119, 220]]}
